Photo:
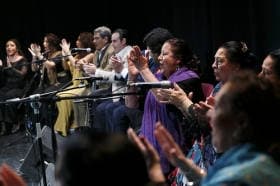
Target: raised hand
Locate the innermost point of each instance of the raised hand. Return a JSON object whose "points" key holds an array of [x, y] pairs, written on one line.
{"points": [[65, 46], [132, 70], [150, 154], [174, 154], [140, 61], [35, 50], [202, 107], [170, 148]]}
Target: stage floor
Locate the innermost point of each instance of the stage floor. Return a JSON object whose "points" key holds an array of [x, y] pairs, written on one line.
{"points": [[18, 151]]}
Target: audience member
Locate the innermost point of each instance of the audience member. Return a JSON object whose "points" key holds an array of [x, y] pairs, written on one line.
{"points": [[242, 108], [90, 157], [231, 57], [237, 121], [107, 114], [13, 71], [52, 72], [102, 55], [175, 61], [134, 107], [67, 119], [271, 67], [9, 177], [49, 64], [101, 60]]}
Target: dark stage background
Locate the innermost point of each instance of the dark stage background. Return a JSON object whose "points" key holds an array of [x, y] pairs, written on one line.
{"points": [[205, 24]]}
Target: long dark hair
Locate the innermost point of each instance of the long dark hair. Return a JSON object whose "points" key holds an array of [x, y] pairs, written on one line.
{"points": [[18, 46]]}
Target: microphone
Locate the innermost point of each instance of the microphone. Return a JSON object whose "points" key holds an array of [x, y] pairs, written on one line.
{"points": [[94, 78], [13, 100], [81, 49], [159, 84]]}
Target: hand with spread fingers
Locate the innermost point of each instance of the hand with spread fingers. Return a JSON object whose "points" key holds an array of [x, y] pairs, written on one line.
{"points": [[140, 61], [65, 46], [174, 153], [35, 50], [150, 154]]}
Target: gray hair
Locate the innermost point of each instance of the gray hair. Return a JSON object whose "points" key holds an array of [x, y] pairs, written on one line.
{"points": [[103, 31]]}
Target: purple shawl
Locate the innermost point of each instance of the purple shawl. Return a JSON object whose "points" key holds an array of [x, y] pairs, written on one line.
{"points": [[155, 111]]}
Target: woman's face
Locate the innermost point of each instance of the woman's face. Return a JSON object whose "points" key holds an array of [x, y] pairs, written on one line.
{"points": [[268, 70], [168, 63], [222, 67], [78, 42], [46, 44], [11, 48], [221, 122]]}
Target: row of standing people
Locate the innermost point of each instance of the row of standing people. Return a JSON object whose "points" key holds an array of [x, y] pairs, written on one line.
{"points": [[14, 71]]}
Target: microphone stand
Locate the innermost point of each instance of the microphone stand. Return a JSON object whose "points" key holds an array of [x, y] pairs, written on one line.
{"points": [[35, 104], [41, 61], [98, 97]]}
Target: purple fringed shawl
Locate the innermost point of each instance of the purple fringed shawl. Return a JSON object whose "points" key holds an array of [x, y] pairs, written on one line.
{"points": [[155, 111]]}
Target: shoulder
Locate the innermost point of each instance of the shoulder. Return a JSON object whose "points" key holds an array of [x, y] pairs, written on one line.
{"points": [[259, 169], [110, 50]]}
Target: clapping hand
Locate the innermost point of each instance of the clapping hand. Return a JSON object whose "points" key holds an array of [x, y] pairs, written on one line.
{"points": [[35, 50], [174, 153], [65, 46], [150, 154], [117, 63], [140, 61]]}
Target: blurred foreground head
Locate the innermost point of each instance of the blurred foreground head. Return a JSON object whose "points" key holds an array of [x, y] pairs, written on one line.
{"points": [[109, 159]]}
